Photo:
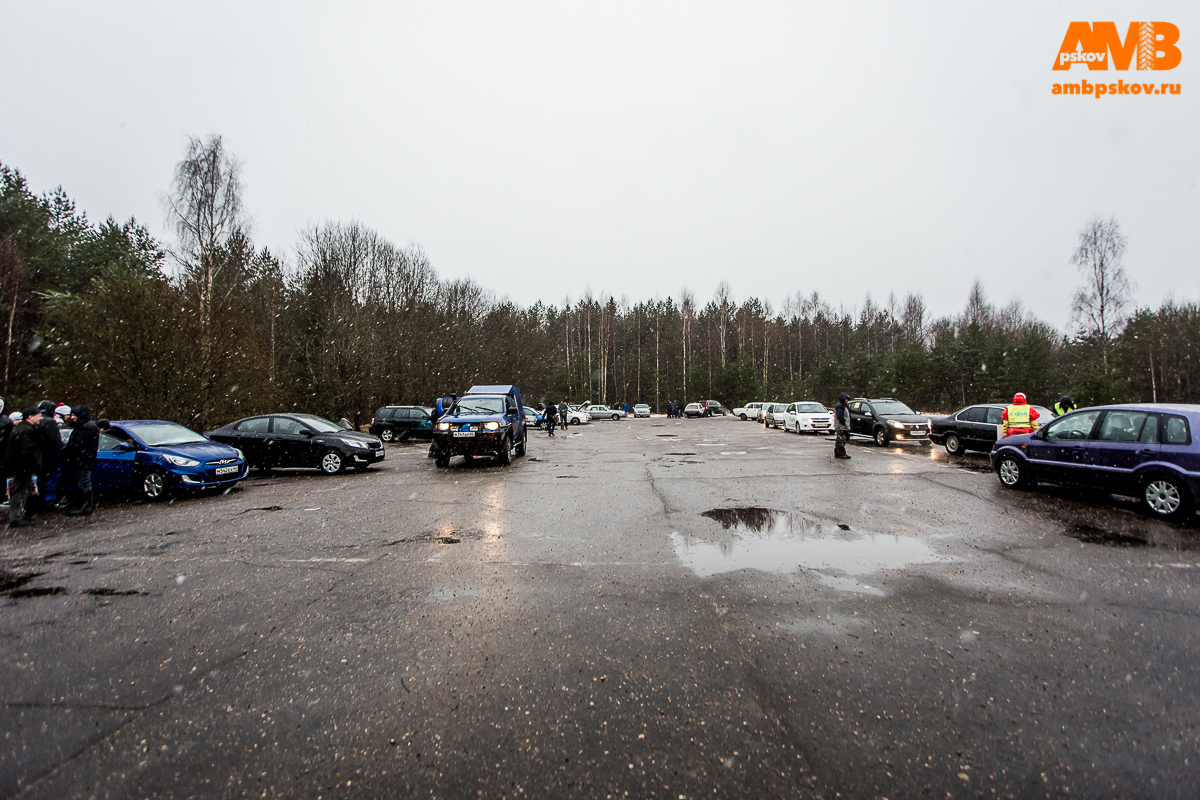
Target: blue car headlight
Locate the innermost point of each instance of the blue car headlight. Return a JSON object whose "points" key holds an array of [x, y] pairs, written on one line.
{"points": [[180, 461]]}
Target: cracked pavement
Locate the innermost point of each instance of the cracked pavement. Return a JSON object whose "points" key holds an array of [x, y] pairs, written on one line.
{"points": [[574, 625]]}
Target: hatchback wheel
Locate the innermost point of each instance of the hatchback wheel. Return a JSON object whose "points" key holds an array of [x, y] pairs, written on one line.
{"points": [[332, 462], [953, 444], [154, 484], [387, 434], [1012, 473], [881, 437], [1165, 497]]}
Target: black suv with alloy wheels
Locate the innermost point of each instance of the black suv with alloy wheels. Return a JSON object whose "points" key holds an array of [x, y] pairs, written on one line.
{"points": [[299, 440], [886, 420], [398, 423]]}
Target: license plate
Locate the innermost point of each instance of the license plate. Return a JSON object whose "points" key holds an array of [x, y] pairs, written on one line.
{"points": [[226, 470], [463, 434]]}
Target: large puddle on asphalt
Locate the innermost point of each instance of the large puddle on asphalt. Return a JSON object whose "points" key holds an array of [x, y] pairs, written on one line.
{"points": [[781, 542]]}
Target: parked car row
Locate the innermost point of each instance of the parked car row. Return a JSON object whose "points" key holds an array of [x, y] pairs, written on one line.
{"points": [[155, 458]]}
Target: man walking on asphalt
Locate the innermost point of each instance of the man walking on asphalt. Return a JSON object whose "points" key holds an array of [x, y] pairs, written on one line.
{"points": [[79, 457], [841, 422], [551, 417], [22, 461]]}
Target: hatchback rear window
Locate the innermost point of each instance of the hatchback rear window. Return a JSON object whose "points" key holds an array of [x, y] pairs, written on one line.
{"points": [[1176, 431]]}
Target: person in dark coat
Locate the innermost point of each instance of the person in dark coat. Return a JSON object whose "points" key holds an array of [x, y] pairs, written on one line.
{"points": [[841, 423], [52, 444], [22, 461], [551, 418], [79, 456]]}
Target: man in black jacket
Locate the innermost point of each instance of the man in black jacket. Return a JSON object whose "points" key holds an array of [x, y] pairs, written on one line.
{"points": [[841, 423], [79, 457], [52, 444], [23, 460]]}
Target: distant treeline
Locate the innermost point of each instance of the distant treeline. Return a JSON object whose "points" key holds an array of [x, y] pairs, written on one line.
{"points": [[210, 328]]}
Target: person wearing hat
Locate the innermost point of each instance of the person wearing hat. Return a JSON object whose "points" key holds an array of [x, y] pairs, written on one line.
{"points": [[23, 460], [1020, 417], [841, 423], [79, 457], [52, 444], [1065, 405]]}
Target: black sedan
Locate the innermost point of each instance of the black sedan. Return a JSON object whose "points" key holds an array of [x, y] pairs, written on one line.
{"points": [[299, 440], [975, 427]]}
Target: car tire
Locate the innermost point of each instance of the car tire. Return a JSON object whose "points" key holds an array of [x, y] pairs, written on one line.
{"points": [[505, 453], [575, 420], [1012, 473], [521, 444], [743, 416], [1165, 497], [881, 437], [387, 435], [441, 461], [616, 417], [153, 486], [332, 462], [953, 444]]}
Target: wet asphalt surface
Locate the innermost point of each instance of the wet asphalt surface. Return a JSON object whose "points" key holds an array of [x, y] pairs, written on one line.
{"points": [[647, 608]]}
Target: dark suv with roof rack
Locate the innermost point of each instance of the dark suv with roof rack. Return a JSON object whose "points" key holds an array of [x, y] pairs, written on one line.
{"points": [[886, 419], [397, 423]]}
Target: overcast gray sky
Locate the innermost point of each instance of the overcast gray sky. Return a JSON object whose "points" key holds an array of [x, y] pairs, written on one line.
{"points": [[634, 148]]}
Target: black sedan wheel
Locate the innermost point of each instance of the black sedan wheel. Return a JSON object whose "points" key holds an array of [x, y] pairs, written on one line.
{"points": [[154, 485], [387, 434], [332, 462], [1165, 497], [954, 445], [881, 437]]}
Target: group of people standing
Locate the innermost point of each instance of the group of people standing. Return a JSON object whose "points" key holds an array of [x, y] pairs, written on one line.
{"points": [[41, 468], [674, 409]]}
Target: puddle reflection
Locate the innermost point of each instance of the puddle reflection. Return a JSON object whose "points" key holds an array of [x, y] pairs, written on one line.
{"points": [[780, 542]]}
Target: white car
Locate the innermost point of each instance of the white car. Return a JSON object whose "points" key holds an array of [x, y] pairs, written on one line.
{"points": [[641, 410], [805, 416], [604, 412], [748, 411], [576, 416], [772, 415]]}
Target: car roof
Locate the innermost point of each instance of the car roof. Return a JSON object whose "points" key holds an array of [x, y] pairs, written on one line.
{"points": [[133, 423], [1178, 408]]}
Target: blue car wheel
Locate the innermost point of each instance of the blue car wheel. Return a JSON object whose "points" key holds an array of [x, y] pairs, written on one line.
{"points": [[153, 485]]}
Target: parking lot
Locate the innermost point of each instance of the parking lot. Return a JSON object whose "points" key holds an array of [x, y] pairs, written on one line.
{"points": [[644, 608]]}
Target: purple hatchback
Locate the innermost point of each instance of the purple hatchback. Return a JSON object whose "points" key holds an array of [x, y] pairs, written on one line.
{"points": [[1146, 450]]}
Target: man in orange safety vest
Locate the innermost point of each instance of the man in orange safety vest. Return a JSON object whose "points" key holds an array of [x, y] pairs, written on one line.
{"points": [[1020, 417]]}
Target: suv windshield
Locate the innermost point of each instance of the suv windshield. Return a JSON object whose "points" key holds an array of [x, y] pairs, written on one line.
{"points": [[480, 405], [165, 434], [890, 407]]}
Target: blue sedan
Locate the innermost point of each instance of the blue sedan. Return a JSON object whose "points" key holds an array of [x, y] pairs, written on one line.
{"points": [[154, 458]]}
